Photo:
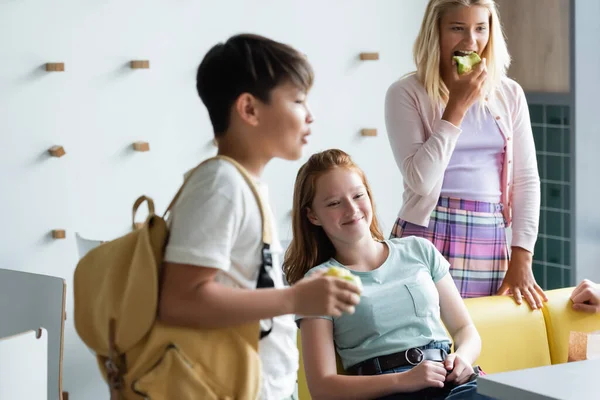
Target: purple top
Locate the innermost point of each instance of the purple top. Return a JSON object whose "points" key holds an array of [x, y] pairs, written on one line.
{"points": [[475, 168]]}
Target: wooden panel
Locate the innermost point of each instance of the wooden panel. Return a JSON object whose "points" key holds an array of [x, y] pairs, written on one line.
{"points": [[57, 151], [140, 64], [59, 234], [538, 41], [368, 132], [141, 146], [55, 67], [369, 56]]}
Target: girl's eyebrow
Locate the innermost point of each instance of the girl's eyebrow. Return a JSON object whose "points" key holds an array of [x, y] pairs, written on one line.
{"points": [[359, 187], [462, 23]]}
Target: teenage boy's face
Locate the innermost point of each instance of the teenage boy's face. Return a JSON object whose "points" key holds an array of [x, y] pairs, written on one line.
{"points": [[285, 122], [342, 206]]}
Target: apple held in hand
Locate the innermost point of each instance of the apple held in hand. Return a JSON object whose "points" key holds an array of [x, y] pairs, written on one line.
{"points": [[466, 61], [342, 273]]}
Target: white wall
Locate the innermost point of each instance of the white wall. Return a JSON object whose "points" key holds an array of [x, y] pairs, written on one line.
{"points": [[98, 107], [587, 140]]}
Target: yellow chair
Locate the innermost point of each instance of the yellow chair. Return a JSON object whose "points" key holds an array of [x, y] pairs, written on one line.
{"points": [[561, 319], [514, 337]]}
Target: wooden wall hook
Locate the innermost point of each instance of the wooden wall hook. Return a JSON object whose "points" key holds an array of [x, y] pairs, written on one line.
{"points": [[65, 395], [369, 56], [141, 146], [140, 64], [59, 234], [57, 151], [55, 67], [368, 132]]}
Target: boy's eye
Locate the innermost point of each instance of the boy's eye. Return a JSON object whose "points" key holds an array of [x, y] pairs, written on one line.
{"points": [[333, 203], [358, 196]]}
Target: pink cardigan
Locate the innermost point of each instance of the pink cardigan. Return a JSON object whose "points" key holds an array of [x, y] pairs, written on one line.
{"points": [[423, 143]]}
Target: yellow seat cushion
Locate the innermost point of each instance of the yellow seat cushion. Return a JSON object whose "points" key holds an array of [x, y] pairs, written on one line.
{"points": [[513, 337], [561, 319], [303, 393]]}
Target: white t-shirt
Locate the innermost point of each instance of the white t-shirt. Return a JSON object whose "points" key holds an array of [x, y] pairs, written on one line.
{"points": [[216, 223]]}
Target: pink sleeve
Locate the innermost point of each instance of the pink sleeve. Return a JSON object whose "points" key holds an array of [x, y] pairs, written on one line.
{"points": [[526, 180], [422, 161]]}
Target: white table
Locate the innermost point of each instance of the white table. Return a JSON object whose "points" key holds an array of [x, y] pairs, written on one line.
{"points": [[576, 380]]}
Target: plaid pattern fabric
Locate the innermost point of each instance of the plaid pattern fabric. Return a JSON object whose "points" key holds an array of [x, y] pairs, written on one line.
{"points": [[471, 235]]}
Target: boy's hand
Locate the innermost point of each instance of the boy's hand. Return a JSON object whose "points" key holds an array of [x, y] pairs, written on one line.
{"points": [[586, 297], [318, 295]]}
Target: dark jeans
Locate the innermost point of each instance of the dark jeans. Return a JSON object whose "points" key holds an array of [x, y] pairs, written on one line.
{"points": [[466, 391]]}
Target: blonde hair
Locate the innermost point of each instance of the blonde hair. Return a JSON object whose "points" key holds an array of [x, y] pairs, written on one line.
{"points": [[310, 246], [426, 51]]}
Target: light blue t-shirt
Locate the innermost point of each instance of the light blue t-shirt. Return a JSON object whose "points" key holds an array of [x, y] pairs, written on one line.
{"points": [[399, 307]]}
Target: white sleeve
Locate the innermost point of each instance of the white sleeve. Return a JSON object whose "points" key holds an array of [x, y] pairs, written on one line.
{"points": [[526, 196], [205, 223]]}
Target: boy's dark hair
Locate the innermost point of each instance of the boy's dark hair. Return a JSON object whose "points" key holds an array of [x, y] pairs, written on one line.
{"points": [[247, 63]]}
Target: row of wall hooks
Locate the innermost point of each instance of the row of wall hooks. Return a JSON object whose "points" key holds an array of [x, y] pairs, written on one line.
{"points": [[145, 64], [60, 66], [60, 234], [140, 146], [59, 151]]}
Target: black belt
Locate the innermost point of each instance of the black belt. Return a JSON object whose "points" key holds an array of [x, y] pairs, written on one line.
{"points": [[412, 356]]}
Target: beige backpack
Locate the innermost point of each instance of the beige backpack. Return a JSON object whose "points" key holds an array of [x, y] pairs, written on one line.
{"points": [[116, 287]]}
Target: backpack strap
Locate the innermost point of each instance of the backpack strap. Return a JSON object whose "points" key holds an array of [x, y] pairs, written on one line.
{"points": [[264, 279], [137, 205], [266, 219]]}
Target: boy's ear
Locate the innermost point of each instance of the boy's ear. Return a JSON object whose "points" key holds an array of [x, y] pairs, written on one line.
{"points": [[246, 106], [312, 217]]}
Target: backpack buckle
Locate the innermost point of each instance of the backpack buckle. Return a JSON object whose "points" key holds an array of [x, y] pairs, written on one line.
{"points": [[267, 257], [113, 374], [113, 371]]}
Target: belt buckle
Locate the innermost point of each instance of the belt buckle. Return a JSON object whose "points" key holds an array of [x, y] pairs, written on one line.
{"points": [[419, 355]]}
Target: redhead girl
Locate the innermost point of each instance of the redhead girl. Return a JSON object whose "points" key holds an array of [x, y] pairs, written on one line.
{"points": [[393, 344]]}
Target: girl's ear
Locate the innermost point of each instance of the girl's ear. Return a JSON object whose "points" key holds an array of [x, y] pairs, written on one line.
{"points": [[312, 217]]}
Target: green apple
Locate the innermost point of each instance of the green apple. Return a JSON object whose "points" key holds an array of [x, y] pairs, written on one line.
{"points": [[342, 273], [467, 62]]}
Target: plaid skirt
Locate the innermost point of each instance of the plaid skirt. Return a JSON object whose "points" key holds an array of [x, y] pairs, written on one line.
{"points": [[471, 235]]}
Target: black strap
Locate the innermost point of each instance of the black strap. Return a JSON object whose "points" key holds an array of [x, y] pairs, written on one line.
{"points": [[412, 356], [265, 281]]}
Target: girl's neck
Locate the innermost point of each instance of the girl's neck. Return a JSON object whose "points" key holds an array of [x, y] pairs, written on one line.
{"points": [[366, 255]]}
